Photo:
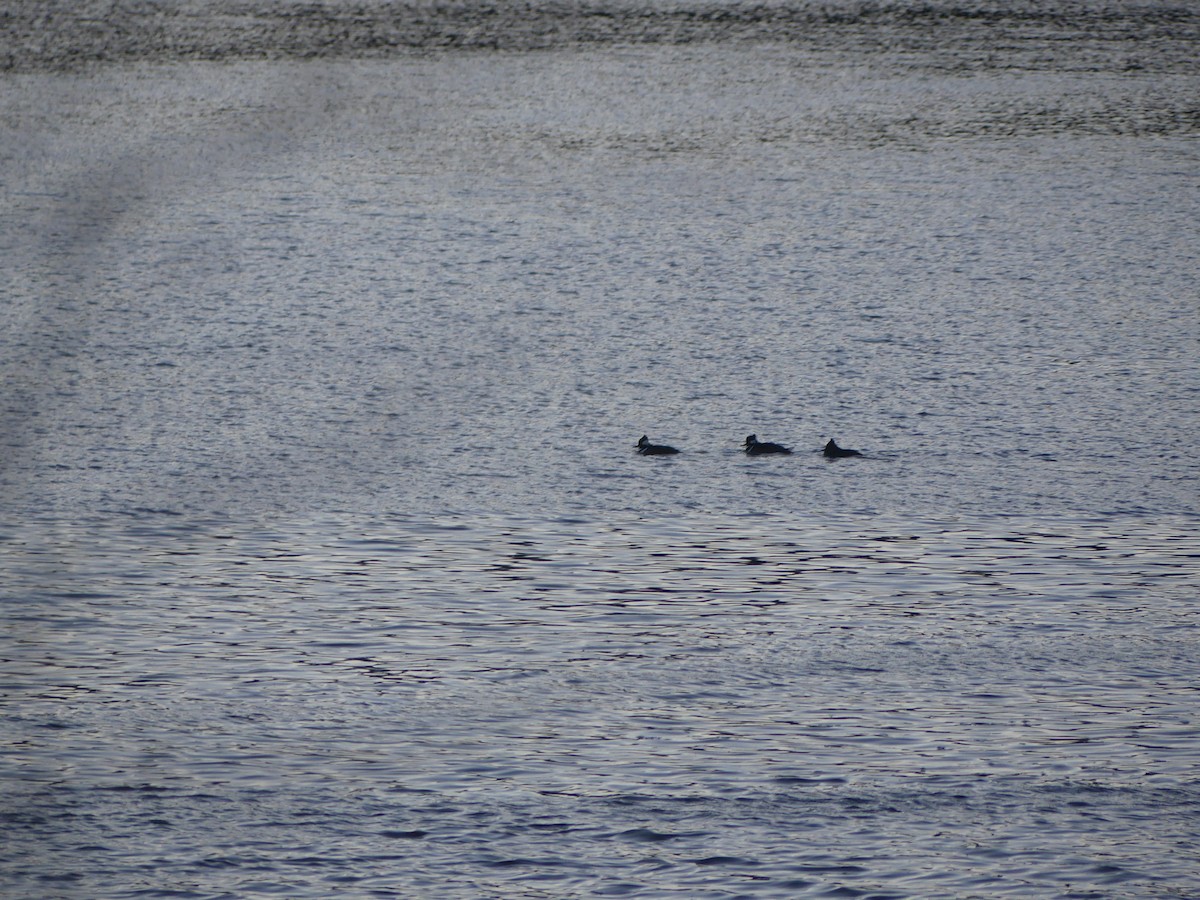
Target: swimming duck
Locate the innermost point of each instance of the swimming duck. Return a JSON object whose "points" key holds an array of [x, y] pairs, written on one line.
{"points": [[755, 447], [833, 451], [646, 448]]}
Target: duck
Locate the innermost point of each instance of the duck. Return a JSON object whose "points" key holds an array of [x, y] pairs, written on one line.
{"points": [[646, 448], [833, 451], [755, 447]]}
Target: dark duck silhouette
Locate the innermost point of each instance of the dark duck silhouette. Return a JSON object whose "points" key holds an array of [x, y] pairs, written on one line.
{"points": [[833, 451], [646, 448], [755, 447]]}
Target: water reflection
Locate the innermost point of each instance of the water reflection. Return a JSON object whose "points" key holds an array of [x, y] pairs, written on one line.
{"points": [[764, 674], [406, 603]]}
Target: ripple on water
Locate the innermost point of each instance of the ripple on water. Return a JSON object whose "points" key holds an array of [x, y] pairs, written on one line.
{"points": [[971, 708]]}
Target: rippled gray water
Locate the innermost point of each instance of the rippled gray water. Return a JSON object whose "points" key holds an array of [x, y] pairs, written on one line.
{"points": [[328, 565], [712, 707]]}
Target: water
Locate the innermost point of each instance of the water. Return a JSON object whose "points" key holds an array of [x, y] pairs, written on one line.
{"points": [[330, 570], [504, 707]]}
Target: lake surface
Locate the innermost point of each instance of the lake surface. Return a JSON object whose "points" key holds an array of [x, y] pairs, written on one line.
{"points": [[329, 568]]}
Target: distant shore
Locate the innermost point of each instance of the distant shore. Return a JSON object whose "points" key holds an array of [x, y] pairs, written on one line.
{"points": [[62, 35]]}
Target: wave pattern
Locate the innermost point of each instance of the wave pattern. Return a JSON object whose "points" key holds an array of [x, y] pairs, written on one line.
{"points": [[568, 708], [945, 36]]}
